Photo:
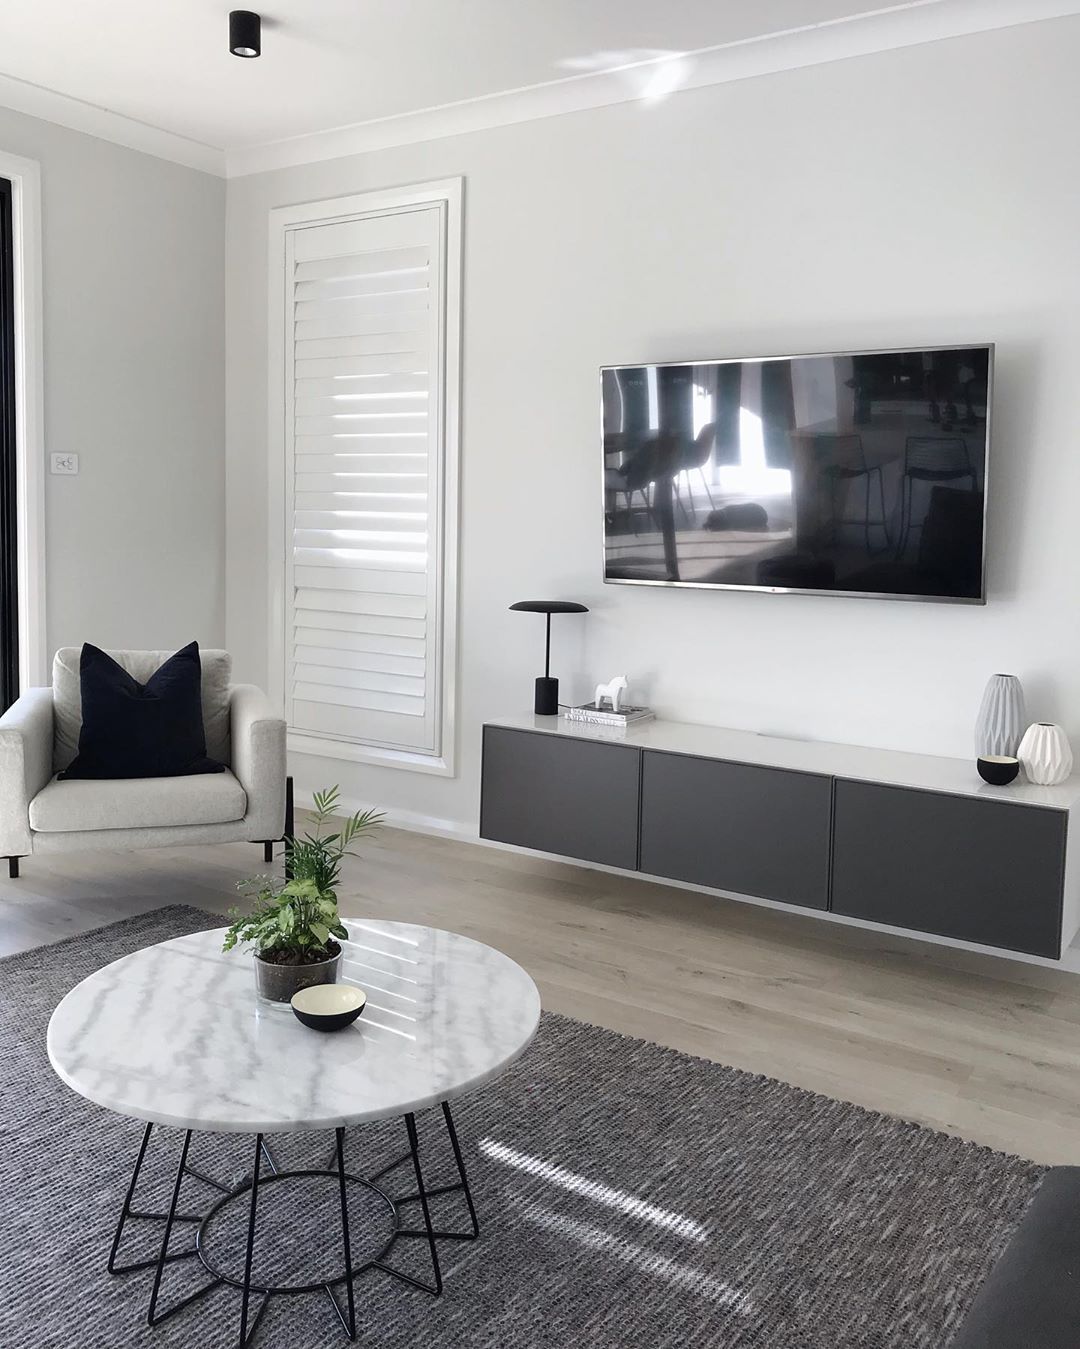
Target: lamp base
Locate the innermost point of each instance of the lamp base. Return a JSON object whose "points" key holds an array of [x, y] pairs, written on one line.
{"points": [[546, 703]]}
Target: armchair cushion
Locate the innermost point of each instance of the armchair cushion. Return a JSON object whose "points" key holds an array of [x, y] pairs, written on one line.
{"points": [[67, 698], [79, 804], [133, 730]]}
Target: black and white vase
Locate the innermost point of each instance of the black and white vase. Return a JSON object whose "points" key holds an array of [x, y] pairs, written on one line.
{"points": [[1001, 720]]}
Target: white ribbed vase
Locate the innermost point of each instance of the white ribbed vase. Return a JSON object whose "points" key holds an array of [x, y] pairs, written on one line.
{"points": [[1001, 719], [1045, 754]]}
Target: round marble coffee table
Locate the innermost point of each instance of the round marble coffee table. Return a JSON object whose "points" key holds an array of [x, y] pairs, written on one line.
{"points": [[175, 1035]]}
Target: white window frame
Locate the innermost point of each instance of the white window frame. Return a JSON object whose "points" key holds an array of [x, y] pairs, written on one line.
{"points": [[448, 192], [25, 178]]}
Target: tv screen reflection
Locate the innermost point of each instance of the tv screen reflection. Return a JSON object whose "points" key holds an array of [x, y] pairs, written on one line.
{"points": [[858, 474]]}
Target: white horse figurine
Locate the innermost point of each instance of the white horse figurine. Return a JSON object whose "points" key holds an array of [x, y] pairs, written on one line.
{"points": [[610, 690]]}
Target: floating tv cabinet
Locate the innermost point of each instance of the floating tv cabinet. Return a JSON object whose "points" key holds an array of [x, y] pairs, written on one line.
{"points": [[904, 840]]}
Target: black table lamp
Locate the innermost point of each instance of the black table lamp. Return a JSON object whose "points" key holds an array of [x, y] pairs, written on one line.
{"points": [[546, 703]]}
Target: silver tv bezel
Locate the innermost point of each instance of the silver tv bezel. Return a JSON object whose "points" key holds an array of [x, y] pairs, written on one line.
{"points": [[800, 590]]}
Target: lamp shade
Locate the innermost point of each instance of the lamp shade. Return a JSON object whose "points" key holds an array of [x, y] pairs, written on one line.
{"points": [[550, 607]]}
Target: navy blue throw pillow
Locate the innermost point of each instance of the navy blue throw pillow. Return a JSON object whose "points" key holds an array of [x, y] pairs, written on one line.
{"points": [[133, 730]]}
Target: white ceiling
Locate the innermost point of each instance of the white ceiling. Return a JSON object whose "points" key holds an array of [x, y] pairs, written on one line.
{"points": [[329, 64]]}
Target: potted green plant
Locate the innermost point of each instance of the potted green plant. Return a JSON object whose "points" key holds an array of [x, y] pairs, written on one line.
{"points": [[294, 924]]}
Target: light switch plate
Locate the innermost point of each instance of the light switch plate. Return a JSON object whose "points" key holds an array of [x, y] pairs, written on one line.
{"points": [[65, 463]]}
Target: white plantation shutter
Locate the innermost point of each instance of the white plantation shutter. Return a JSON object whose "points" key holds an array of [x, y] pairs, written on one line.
{"points": [[364, 500]]}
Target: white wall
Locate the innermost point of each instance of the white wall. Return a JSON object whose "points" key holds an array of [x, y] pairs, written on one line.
{"points": [[922, 196], [134, 334]]}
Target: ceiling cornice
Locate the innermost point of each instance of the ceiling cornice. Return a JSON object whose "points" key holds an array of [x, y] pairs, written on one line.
{"points": [[884, 28], [904, 23], [50, 106]]}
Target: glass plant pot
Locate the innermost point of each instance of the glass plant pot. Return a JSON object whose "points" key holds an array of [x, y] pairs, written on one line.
{"points": [[277, 983]]}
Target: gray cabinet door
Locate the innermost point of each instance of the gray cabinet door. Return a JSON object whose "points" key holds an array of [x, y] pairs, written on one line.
{"points": [[754, 831], [561, 795], [983, 871]]}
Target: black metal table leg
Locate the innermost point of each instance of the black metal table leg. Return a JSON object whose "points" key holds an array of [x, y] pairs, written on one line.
{"points": [[414, 1148], [428, 1232], [255, 1181], [150, 1315], [112, 1266], [153, 1316], [462, 1185], [349, 1324], [140, 1215], [464, 1180], [245, 1336]]}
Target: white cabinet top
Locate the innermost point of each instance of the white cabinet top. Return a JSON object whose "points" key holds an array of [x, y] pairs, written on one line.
{"points": [[922, 772]]}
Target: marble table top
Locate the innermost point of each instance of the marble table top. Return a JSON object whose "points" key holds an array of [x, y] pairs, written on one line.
{"points": [[175, 1033]]}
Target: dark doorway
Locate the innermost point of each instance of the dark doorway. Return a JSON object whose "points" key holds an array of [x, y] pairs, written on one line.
{"points": [[9, 515]]}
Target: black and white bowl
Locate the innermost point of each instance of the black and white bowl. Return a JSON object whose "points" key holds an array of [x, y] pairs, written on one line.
{"points": [[329, 1006], [998, 769]]}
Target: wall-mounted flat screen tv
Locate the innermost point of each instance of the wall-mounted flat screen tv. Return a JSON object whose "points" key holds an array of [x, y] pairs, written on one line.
{"points": [[854, 474]]}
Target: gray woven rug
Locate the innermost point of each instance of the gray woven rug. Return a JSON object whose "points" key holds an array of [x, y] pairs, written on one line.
{"points": [[629, 1196]]}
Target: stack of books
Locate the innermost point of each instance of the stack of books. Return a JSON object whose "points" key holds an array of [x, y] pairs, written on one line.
{"points": [[604, 716]]}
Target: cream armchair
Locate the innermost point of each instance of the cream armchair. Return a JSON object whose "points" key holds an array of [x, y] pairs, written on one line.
{"points": [[39, 736]]}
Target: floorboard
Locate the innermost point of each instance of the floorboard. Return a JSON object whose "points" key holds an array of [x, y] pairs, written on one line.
{"points": [[980, 1047]]}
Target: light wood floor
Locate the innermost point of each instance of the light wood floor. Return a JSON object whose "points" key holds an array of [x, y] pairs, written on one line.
{"points": [[984, 1048]]}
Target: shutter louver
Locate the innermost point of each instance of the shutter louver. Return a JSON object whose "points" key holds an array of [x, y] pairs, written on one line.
{"points": [[364, 410]]}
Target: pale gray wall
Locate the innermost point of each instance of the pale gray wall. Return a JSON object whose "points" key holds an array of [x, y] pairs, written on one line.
{"points": [[134, 333], [926, 195]]}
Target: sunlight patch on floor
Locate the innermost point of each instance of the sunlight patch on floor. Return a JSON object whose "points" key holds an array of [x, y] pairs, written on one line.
{"points": [[628, 1204], [641, 1257]]}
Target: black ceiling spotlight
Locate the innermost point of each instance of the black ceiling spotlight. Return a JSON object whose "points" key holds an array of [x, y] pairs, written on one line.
{"points": [[245, 33]]}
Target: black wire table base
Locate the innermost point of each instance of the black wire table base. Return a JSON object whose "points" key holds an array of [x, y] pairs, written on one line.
{"points": [[257, 1183]]}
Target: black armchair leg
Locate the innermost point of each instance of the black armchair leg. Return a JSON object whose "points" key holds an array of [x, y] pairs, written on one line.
{"points": [[13, 868], [289, 827]]}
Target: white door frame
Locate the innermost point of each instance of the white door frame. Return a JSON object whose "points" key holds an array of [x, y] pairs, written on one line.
{"points": [[25, 178]]}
